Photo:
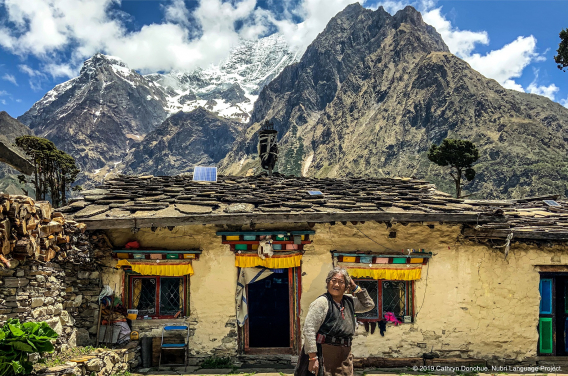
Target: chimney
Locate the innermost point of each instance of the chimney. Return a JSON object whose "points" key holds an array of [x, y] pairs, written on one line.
{"points": [[267, 146]]}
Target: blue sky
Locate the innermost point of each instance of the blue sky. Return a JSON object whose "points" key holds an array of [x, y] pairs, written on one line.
{"points": [[44, 42]]}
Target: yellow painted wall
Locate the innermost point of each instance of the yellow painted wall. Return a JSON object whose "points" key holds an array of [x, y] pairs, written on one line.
{"points": [[476, 304], [212, 287]]}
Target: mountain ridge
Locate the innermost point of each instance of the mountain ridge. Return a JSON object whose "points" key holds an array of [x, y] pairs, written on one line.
{"points": [[379, 116]]}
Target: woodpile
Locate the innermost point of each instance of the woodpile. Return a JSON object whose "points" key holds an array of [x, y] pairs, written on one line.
{"points": [[33, 230]]}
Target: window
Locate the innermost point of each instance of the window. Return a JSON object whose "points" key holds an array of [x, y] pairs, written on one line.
{"points": [[389, 296], [157, 296]]}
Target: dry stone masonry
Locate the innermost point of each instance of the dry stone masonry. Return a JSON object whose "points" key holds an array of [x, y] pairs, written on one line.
{"points": [[47, 269]]}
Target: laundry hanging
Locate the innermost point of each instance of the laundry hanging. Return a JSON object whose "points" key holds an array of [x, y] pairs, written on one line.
{"points": [[246, 276]]}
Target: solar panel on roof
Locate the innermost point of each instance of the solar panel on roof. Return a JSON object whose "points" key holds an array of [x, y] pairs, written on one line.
{"points": [[315, 193], [204, 173], [551, 203]]}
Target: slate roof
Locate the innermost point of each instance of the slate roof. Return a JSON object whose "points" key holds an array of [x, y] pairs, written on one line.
{"points": [[527, 219], [148, 201]]}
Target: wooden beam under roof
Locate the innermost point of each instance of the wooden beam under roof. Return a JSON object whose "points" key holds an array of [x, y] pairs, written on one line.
{"points": [[242, 219]]}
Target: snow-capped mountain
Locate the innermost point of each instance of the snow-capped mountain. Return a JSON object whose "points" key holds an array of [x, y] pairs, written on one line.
{"points": [[230, 88], [96, 116], [100, 115]]}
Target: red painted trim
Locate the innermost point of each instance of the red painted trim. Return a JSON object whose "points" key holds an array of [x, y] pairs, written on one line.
{"points": [[157, 294], [380, 282], [413, 300], [291, 310], [299, 309]]}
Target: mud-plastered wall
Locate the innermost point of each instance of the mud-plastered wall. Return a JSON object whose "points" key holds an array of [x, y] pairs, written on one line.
{"points": [[470, 302], [212, 286]]}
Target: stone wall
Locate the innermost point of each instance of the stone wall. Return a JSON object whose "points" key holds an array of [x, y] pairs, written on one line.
{"points": [[63, 296], [470, 302], [101, 363]]}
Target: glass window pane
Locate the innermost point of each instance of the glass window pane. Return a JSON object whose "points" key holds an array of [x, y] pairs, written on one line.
{"points": [[171, 293], [394, 297], [546, 296], [144, 295], [373, 290]]}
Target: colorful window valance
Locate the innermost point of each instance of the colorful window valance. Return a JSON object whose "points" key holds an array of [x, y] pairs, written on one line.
{"points": [[274, 262], [163, 269], [395, 274], [281, 240]]}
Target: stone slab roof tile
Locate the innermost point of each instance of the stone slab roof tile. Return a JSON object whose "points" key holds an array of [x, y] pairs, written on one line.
{"points": [[166, 200]]}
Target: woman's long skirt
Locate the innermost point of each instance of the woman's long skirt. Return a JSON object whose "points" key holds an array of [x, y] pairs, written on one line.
{"points": [[336, 361]]}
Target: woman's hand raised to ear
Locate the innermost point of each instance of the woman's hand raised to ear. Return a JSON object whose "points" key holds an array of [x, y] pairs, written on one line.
{"points": [[352, 285]]}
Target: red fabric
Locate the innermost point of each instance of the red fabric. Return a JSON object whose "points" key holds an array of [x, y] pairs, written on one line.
{"points": [[389, 316], [132, 245]]}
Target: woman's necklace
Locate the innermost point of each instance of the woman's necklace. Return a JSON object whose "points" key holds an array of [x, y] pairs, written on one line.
{"points": [[341, 308]]}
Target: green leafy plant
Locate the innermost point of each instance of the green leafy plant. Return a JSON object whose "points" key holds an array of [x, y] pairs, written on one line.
{"points": [[18, 340]]}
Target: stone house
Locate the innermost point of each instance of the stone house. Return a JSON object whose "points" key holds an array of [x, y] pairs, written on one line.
{"points": [[179, 250]]}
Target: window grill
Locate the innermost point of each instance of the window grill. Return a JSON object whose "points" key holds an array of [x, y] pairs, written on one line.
{"points": [[388, 296], [171, 290], [158, 296], [144, 295], [394, 297]]}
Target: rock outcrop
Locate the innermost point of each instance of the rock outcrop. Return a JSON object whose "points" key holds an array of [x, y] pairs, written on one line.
{"points": [[182, 141]]}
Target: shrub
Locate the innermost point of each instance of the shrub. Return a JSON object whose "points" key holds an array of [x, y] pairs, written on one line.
{"points": [[18, 340]]}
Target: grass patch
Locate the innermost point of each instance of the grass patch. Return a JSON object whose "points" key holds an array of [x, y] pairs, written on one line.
{"points": [[64, 356]]}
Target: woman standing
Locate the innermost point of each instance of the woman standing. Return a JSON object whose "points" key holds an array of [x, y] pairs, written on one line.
{"points": [[330, 326]]}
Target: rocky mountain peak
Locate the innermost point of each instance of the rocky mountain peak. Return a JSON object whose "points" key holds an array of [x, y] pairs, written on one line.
{"points": [[98, 61], [410, 16]]}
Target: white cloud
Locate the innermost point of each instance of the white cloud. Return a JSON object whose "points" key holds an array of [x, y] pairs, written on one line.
{"points": [[36, 76], [3, 92], [508, 62], [460, 42], [3, 101], [176, 12], [10, 78], [547, 91], [184, 40], [564, 102], [29, 71], [60, 70], [316, 14]]}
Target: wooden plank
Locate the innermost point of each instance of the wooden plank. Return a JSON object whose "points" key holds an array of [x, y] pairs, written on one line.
{"points": [[235, 233], [198, 251], [321, 217], [518, 234], [412, 255]]}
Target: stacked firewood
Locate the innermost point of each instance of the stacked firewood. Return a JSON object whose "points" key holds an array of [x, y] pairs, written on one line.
{"points": [[33, 230]]}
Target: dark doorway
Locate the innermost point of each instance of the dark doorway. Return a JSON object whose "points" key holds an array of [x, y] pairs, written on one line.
{"points": [[553, 318], [269, 311]]}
